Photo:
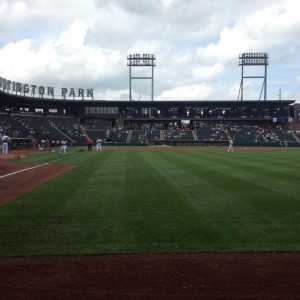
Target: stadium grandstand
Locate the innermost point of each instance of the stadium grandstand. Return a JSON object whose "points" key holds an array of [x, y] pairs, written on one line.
{"points": [[250, 123]]}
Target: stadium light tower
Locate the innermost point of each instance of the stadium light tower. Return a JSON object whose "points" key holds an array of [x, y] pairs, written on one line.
{"points": [[254, 59], [141, 60]]}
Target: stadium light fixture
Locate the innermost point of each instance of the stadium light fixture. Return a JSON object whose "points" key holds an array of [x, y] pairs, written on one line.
{"points": [[141, 60], [254, 59]]}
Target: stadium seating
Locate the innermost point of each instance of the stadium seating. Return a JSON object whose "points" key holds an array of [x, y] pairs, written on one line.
{"points": [[279, 136], [102, 125], [245, 135], [118, 136], [11, 127], [178, 135], [38, 126], [68, 127], [142, 136], [94, 134], [212, 134]]}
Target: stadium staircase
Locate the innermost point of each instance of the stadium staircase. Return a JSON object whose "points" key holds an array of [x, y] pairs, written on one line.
{"points": [[162, 137], [296, 137], [60, 131], [195, 136], [129, 136]]}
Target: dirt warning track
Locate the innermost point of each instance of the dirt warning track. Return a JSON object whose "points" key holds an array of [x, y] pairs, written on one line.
{"points": [[152, 276]]}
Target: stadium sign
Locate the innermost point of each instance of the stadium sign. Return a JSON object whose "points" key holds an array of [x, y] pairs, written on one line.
{"points": [[32, 90]]}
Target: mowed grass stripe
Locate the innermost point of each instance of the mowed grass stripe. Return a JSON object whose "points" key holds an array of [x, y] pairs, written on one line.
{"points": [[277, 174], [255, 185], [53, 216], [157, 210], [93, 208], [254, 204], [279, 178], [131, 201]]}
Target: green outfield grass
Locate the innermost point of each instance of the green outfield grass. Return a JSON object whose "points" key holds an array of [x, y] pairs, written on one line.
{"points": [[134, 201]]}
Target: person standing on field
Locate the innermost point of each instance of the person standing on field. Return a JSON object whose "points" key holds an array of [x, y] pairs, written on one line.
{"points": [[230, 147], [90, 144], [5, 140], [63, 148], [98, 145]]}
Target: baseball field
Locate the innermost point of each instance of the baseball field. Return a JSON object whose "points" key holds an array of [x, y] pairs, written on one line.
{"points": [[198, 206]]}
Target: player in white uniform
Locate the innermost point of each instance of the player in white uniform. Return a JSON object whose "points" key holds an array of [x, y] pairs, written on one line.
{"points": [[98, 145], [230, 147], [63, 148], [5, 140]]}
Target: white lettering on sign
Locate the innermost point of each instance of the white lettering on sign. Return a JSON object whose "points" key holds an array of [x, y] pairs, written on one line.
{"points": [[33, 90]]}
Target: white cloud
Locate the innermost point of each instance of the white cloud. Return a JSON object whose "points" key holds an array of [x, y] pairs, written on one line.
{"points": [[110, 94], [189, 92], [167, 3], [208, 72], [65, 59], [19, 8]]}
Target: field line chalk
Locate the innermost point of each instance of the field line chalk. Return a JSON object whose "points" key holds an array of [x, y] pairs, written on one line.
{"points": [[38, 166]]}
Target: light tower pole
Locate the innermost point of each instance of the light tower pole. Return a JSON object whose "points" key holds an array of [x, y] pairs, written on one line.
{"points": [[254, 59], [141, 60]]}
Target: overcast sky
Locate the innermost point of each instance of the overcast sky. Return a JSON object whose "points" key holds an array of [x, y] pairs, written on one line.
{"points": [[85, 43]]}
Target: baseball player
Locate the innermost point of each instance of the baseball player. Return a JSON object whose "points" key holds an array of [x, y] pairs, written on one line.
{"points": [[230, 147], [5, 140], [98, 144], [63, 148]]}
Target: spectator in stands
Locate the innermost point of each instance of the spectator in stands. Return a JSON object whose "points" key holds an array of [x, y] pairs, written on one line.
{"points": [[5, 140], [230, 147]]}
